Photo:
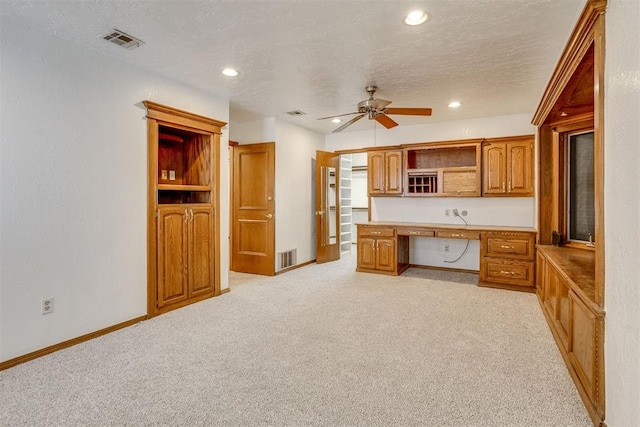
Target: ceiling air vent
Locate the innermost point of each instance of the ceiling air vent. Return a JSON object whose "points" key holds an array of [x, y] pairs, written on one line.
{"points": [[122, 39], [296, 113]]}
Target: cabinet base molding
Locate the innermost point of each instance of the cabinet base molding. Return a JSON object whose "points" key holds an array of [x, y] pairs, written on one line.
{"points": [[506, 286], [69, 343], [433, 267], [401, 269]]}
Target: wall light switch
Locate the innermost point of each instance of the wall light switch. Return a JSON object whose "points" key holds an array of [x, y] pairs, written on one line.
{"points": [[164, 174], [172, 175]]}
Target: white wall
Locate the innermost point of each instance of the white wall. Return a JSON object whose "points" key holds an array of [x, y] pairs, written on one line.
{"points": [[295, 184], [254, 131], [73, 187], [481, 211], [622, 213]]}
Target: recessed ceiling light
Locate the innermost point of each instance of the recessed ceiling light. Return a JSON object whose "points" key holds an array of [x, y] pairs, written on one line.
{"points": [[454, 104], [336, 121], [416, 17], [230, 72]]}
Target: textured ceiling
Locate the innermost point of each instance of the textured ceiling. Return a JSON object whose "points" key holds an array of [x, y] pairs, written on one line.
{"points": [[494, 56]]}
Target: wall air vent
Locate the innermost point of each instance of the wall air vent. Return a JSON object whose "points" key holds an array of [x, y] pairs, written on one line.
{"points": [[287, 259], [122, 39], [296, 113]]}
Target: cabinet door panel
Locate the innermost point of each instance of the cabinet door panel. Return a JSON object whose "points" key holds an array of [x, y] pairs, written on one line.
{"points": [[393, 173], [493, 158], [172, 256], [201, 256], [386, 255], [376, 172], [583, 343], [562, 312], [520, 168], [366, 253], [460, 183]]}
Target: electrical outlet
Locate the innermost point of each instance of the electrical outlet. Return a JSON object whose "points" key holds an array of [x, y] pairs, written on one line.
{"points": [[447, 212], [447, 249], [47, 305], [455, 212]]}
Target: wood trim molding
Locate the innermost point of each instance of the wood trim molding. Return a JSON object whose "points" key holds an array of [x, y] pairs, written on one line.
{"points": [[294, 267], [69, 343], [579, 42], [224, 291], [185, 118]]}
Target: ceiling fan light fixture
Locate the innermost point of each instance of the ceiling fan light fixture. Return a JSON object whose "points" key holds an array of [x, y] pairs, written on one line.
{"points": [[336, 121], [416, 17], [230, 72], [454, 104]]}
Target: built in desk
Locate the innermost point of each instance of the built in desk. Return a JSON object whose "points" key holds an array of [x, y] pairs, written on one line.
{"points": [[507, 254]]}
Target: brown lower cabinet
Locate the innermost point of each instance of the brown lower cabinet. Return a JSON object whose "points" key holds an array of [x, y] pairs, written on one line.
{"points": [[507, 260], [185, 254], [380, 250], [565, 291]]}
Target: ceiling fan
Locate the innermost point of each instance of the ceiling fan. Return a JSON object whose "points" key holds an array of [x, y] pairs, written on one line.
{"points": [[376, 109]]}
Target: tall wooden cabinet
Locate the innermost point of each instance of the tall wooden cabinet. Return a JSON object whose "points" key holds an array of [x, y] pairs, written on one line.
{"points": [[385, 172], [183, 183], [507, 165]]}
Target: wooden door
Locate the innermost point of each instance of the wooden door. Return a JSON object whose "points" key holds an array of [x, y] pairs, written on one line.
{"points": [[201, 251], [253, 222], [385, 255], [393, 172], [519, 168], [172, 256], [376, 172], [494, 173], [327, 207], [366, 253]]}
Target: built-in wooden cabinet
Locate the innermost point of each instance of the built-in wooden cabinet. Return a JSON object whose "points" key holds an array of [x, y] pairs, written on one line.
{"points": [[507, 166], [385, 172], [183, 238], [449, 170], [380, 250], [565, 290], [507, 260], [185, 254]]}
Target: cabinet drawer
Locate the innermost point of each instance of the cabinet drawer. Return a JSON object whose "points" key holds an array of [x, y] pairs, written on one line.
{"points": [[459, 234], [507, 271], [365, 230], [509, 246], [415, 232]]}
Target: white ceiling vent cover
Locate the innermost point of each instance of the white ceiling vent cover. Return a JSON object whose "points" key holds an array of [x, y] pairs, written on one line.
{"points": [[122, 39]]}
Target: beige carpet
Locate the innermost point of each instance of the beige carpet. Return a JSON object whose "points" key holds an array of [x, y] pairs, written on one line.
{"points": [[320, 345]]}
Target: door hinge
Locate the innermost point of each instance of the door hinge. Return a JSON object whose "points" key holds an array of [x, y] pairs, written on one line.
{"points": [[157, 213]]}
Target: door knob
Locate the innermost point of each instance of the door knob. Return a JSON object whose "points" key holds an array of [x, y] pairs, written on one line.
{"points": [[268, 215]]}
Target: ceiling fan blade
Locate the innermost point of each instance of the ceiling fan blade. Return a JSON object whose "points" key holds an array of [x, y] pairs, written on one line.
{"points": [[410, 111], [349, 123], [385, 121], [339, 115]]}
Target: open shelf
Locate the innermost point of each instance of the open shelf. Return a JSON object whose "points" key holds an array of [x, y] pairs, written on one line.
{"points": [[185, 187]]}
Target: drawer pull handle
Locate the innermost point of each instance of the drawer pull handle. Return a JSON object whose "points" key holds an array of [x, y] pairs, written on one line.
{"points": [[506, 247], [506, 272], [456, 235], [414, 232], [375, 232]]}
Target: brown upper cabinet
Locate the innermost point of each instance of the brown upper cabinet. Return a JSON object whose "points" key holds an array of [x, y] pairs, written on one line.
{"points": [[385, 172], [450, 169], [507, 165]]}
